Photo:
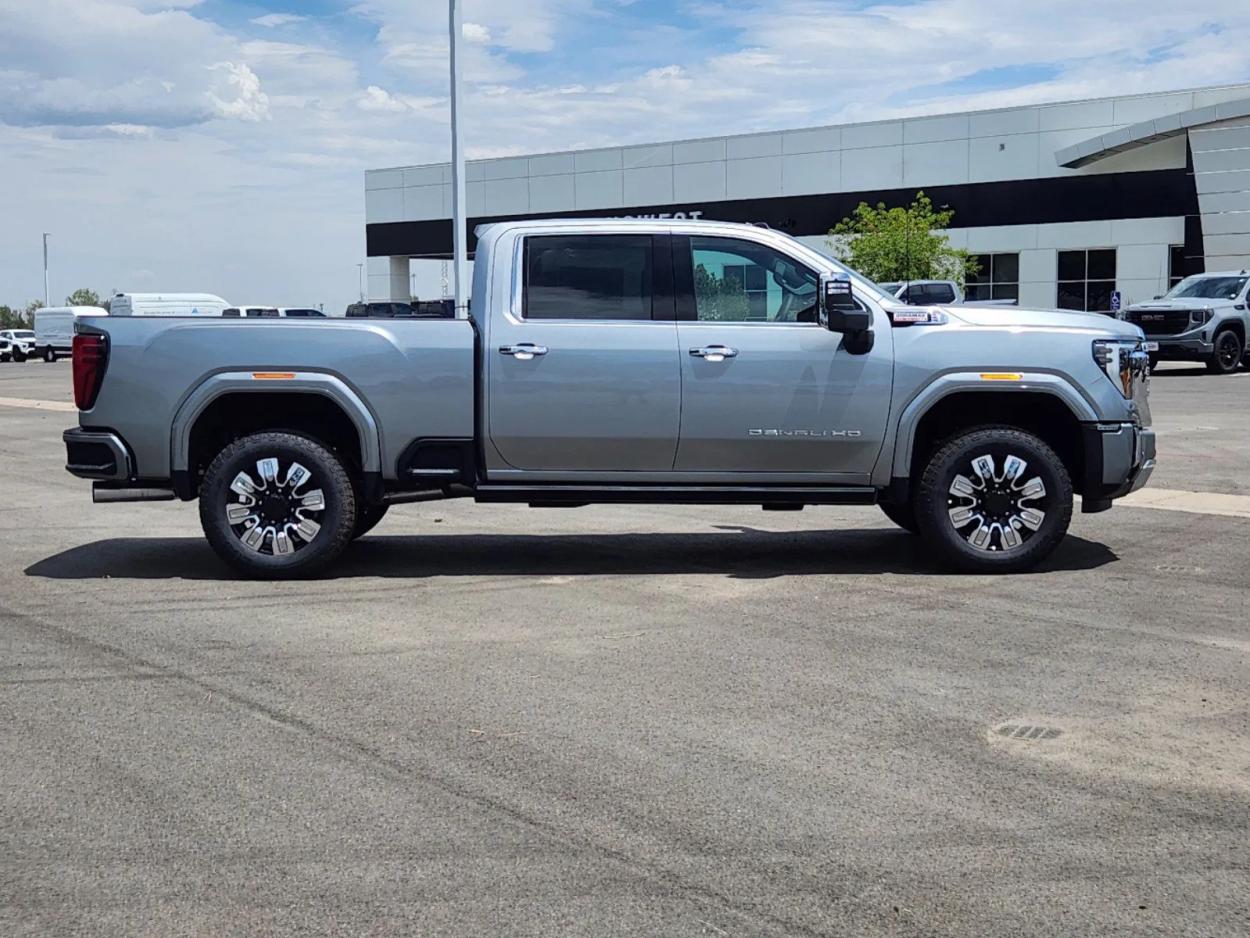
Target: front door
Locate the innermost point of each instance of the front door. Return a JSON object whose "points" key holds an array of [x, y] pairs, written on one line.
{"points": [[765, 388], [582, 372]]}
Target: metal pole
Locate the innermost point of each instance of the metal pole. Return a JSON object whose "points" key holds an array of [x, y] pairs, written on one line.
{"points": [[47, 294], [360, 280], [458, 233]]}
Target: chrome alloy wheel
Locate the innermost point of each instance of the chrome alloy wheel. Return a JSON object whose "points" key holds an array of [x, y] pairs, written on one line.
{"points": [[996, 511], [275, 517]]}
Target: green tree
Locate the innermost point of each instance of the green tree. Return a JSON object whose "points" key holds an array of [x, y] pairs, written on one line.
{"points": [[720, 299], [83, 297], [896, 244]]}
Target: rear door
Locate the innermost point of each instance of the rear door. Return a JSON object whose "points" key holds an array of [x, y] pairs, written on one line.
{"points": [[582, 367], [765, 387]]}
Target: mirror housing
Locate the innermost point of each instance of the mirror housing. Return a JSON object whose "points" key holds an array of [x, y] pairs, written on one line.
{"points": [[841, 313]]}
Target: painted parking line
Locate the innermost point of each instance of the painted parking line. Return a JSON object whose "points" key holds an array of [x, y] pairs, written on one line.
{"points": [[62, 406], [1198, 503]]}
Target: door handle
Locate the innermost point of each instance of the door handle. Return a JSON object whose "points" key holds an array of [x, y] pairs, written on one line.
{"points": [[714, 353], [523, 351]]}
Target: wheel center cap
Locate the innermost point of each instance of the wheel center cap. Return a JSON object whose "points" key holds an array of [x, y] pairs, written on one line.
{"points": [[273, 509], [997, 503]]}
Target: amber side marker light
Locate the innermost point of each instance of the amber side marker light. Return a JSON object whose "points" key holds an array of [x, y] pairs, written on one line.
{"points": [[1001, 376], [273, 375]]}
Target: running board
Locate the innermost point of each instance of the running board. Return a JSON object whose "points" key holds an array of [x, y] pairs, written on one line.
{"points": [[557, 495]]}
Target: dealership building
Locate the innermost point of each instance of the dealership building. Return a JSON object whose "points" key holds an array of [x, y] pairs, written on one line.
{"points": [[1065, 203]]}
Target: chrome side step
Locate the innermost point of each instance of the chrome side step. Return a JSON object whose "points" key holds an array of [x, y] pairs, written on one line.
{"points": [[103, 494], [573, 495]]}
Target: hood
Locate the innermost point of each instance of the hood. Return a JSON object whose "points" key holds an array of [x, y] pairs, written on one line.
{"points": [[1015, 317], [1180, 303]]}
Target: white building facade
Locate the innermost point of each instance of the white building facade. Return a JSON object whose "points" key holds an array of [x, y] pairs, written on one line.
{"points": [[1066, 203]]}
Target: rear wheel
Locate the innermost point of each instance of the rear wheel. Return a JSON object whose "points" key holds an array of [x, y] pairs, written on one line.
{"points": [[1227, 355], [994, 500], [49, 354], [903, 515], [277, 505]]}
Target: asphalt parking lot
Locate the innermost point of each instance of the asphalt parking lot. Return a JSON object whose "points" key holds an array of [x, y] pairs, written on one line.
{"points": [[607, 721]]}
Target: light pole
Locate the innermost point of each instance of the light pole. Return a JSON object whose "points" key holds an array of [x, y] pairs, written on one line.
{"points": [[47, 294], [459, 260], [360, 280]]}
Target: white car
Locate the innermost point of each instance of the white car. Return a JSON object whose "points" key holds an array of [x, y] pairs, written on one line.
{"points": [[16, 345], [272, 312], [936, 293]]}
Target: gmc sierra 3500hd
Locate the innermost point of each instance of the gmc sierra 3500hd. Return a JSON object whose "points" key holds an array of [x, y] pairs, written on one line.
{"points": [[641, 361]]}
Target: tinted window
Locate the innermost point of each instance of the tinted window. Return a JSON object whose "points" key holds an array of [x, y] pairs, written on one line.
{"points": [[1071, 265], [230, 312], [1102, 265], [588, 277], [741, 281], [939, 293], [305, 313]]}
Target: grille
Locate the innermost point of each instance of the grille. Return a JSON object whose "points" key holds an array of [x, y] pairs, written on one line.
{"points": [[1161, 321]]}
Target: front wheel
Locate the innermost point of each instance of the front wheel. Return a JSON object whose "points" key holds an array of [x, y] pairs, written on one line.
{"points": [[994, 500], [277, 505], [19, 356], [1227, 355]]}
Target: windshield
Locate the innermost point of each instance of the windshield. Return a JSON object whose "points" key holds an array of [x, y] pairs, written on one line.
{"points": [[860, 279], [23, 334], [1208, 288]]}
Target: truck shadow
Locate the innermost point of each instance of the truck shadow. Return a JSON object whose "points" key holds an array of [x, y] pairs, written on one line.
{"points": [[734, 551]]}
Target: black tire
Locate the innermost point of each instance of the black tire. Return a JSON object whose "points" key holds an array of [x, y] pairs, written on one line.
{"points": [[1154, 360], [903, 515], [49, 354], [19, 356], [1228, 352], [284, 506], [998, 501], [367, 518]]}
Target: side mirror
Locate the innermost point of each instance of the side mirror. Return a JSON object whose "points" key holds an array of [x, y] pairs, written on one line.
{"points": [[841, 313]]}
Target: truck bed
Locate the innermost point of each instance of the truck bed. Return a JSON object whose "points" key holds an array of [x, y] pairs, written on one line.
{"points": [[416, 377]]}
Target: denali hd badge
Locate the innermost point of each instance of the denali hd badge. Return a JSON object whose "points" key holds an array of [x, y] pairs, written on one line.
{"points": [[809, 434]]}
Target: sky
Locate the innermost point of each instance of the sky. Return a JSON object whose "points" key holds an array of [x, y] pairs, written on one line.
{"points": [[220, 146]]}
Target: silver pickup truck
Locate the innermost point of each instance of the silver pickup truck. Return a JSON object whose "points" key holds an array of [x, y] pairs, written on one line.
{"points": [[631, 362]]}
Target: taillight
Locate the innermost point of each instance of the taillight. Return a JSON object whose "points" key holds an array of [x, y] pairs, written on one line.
{"points": [[91, 354]]}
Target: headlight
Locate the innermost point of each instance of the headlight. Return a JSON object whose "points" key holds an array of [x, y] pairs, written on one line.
{"points": [[1125, 362], [1198, 317]]}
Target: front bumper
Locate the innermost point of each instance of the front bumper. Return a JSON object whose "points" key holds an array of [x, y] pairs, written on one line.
{"points": [[1119, 459], [1193, 345], [97, 454]]}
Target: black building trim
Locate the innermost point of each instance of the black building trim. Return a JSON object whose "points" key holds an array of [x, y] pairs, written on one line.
{"points": [[1095, 197]]}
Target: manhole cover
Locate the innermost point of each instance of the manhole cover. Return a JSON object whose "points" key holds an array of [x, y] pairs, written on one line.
{"points": [[1028, 731]]}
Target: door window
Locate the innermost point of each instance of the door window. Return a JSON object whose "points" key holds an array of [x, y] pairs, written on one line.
{"points": [[597, 277], [740, 281]]}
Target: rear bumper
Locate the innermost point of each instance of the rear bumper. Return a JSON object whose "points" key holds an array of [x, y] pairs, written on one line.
{"points": [[1119, 459], [97, 454]]}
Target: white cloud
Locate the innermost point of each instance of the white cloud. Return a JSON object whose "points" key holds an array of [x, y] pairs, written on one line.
{"points": [[378, 99], [475, 32], [273, 20], [243, 99]]}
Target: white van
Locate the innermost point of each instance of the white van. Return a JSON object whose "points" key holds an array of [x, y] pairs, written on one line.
{"points": [[166, 304], [54, 329]]}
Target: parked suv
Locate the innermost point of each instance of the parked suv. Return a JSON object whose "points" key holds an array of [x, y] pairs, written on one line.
{"points": [[1203, 318], [936, 293], [17, 344]]}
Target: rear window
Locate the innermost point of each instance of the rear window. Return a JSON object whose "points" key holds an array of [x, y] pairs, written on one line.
{"points": [[231, 311], [601, 277]]}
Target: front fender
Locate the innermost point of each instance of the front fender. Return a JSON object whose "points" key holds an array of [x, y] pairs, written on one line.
{"points": [[961, 382]]}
